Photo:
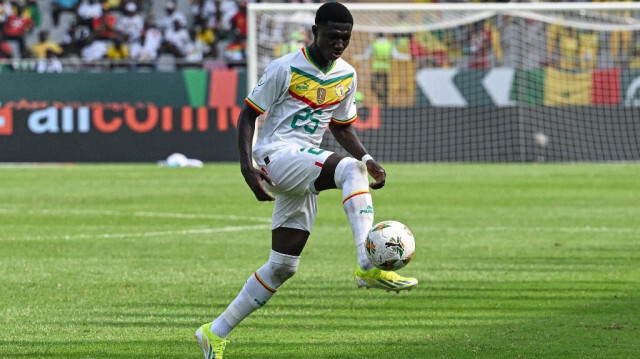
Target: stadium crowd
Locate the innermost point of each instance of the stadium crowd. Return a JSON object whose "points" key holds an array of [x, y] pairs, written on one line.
{"points": [[50, 35], [120, 33]]}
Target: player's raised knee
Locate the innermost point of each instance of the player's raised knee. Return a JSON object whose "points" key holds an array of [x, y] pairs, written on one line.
{"points": [[351, 172]]}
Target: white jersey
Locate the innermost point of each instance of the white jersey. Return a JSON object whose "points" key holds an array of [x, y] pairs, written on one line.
{"points": [[300, 100]]}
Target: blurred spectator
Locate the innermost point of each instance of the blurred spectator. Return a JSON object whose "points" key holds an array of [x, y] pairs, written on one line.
{"points": [[380, 53], [74, 39], [227, 9], [177, 39], [204, 12], [89, 10], [171, 15], [131, 25], [197, 49], [553, 35], [118, 50], [428, 49], [208, 38], [60, 6], [94, 50], [151, 42], [588, 42], [239, 21], [105, 26], [50, 64], [402, 42], [5, 11], [16, 28], [31, 10], [568, 48], [483, 39], [45, 46]]}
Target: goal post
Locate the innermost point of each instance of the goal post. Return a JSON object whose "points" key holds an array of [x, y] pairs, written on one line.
{"points": [[492, 82]]}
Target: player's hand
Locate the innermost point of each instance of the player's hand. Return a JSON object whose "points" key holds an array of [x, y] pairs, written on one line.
{"points": [[254, 178], [378, 173]]}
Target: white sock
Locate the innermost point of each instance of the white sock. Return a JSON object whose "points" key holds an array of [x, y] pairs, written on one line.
{"points": [[258, 289], [351, 177]]}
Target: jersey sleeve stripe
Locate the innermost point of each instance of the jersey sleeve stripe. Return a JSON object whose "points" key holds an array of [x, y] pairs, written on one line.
{"points": [[253, 105], [335, 120]]}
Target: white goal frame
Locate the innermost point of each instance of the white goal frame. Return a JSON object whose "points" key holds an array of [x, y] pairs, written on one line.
{"points": [[506, 8], [448, 127]]}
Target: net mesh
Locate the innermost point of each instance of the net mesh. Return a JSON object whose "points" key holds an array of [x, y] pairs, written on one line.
{"points": [[485, 86]]}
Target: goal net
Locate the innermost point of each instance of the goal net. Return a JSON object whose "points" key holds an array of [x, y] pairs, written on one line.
{"points": [[517, 82]]}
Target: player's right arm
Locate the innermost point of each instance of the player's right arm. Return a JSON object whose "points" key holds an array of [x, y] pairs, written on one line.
{"points": [[252, 175], [270, 86]]}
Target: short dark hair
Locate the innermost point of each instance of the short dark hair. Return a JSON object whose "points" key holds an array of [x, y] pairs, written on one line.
{"points": [[333, 11]]}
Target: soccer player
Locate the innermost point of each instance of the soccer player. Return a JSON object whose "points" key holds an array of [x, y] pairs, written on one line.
{"points": [[304, 92]]}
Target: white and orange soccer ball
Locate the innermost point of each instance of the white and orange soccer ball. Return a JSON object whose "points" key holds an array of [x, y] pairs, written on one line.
{"points": [[390, 245]]}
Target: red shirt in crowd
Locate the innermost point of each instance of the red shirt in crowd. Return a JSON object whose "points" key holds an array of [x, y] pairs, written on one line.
{"points": [[17, 25], [239, 21]]}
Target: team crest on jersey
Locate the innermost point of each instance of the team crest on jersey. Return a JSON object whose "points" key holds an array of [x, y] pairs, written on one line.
{"points": [[321, 95], [317, 92]]}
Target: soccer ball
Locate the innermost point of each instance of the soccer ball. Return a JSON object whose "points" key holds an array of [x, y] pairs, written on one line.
{"points": [[390, 245]]}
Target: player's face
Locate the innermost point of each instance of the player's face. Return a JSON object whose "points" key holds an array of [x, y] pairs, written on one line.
{"points": [[331, 40]]}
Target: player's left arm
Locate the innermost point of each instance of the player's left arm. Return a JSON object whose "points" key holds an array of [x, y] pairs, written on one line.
{"points": [[342, 129], [346, 136]]}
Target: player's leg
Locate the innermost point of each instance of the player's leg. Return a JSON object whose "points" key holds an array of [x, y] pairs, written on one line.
{"points": [[384, 79], [376, 85], [290, 241], [293, 215], [287, 244], [351, 177]]}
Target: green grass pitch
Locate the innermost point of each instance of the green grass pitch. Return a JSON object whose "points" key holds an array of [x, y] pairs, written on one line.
{"points": [[514, 261]]}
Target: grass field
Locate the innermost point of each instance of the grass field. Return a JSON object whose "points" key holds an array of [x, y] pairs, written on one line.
{"points": [[514, 261]]}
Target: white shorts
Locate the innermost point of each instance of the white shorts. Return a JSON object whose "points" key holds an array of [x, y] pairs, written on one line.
{"points": [[294, 170]]}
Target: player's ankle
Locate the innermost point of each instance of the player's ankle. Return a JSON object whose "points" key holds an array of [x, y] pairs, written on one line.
{"points": [[365, 266]]}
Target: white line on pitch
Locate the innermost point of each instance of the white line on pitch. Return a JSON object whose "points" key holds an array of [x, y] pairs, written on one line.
{"points": [[84, 212], [133, 235]]}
